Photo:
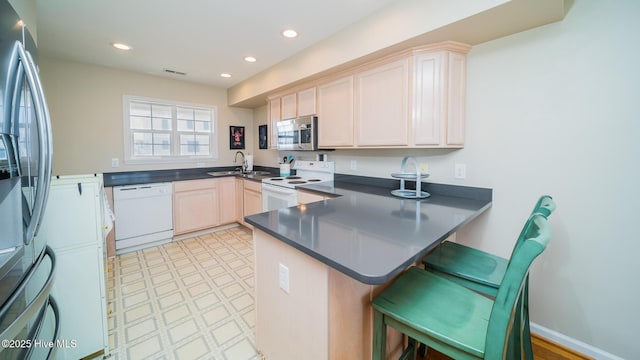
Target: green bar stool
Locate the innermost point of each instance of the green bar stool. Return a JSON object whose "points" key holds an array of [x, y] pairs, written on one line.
{"points": [[484, 272], [452, 318]]}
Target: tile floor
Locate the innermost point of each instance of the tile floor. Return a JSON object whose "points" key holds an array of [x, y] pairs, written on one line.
{"points": [[190, 299]]}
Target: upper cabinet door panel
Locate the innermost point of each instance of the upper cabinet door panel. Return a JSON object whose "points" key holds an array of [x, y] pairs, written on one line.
{"points": [[439, 99], [289, 108], [307, 102], [382, 102], [428, 106], [335, 113], [456, 91], [274, 117]]}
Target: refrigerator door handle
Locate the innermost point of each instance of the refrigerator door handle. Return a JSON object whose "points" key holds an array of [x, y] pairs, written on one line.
{"points": [[36, 303], [44, 134]]}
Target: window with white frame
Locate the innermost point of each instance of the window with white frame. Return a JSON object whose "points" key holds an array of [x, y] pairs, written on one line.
{"points": [[165, 131]]}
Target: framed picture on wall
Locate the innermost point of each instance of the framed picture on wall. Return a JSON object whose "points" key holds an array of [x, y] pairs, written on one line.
{"points": [[236, 137], [262, 137]]}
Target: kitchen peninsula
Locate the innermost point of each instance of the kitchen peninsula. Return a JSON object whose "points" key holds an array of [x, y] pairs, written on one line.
{"points": [[318, 265]]}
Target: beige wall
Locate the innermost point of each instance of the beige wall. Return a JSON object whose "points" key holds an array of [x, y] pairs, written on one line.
{"points": [[85, 102]]}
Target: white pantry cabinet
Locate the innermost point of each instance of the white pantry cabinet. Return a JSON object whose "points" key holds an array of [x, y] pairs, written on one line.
{"points": [[73, 228]]}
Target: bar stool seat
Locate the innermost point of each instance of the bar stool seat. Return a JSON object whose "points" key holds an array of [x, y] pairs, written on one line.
{"points": [[452, 318], [483, 272]]}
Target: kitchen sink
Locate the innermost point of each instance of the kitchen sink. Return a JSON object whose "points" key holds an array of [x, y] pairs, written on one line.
{"points": [[238, 172]]}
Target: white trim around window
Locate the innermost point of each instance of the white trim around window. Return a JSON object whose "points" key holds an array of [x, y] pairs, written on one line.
{"points": [[164, 131]]}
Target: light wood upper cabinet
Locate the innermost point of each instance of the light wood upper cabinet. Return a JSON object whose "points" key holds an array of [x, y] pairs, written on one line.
{"points": [[289, 107], [439, 99], [382, 105], [274, 117], [456, 98], [335, 113], [307, 102], [413, 98]]}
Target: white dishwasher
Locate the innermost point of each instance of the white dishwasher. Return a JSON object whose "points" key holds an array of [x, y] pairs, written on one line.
{"points": [[144, 216]]}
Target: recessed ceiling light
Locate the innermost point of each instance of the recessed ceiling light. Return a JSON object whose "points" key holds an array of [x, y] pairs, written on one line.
{"points": [[225, 75], [289, 33], [250, 59], [121, 46]]}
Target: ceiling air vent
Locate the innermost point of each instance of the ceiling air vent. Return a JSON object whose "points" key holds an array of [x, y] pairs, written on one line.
{"points": [[175, 72]]}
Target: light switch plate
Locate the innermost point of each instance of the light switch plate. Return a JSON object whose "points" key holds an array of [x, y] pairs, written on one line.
{"points": [[283, 277], [460, 171]]}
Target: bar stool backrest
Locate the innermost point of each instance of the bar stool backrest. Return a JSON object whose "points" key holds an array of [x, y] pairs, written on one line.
{"points": [[536, 236]]}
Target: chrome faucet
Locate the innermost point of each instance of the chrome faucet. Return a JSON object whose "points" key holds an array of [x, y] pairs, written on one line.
{"points": [[244, 162]]}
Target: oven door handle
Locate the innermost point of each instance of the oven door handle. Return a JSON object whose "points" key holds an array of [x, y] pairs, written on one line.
{"points": [[278, 190]]}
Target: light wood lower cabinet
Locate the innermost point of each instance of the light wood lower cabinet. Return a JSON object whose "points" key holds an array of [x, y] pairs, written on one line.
{"points": [[195, 205], [203, 204], [305, 197], [227, 196], [252, 199]]}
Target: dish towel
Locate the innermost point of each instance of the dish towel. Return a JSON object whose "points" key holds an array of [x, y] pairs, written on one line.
{"points": [[109, 218]]}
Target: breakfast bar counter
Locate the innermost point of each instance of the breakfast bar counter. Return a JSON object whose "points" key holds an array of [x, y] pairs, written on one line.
{"points": [[368, 234], [319, 265]]}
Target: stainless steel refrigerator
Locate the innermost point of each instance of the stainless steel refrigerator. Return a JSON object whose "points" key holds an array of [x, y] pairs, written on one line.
{"points": [[28, 316]]}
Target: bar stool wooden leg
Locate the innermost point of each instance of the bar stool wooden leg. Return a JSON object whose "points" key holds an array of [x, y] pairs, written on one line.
{"points": [[379, 336]]}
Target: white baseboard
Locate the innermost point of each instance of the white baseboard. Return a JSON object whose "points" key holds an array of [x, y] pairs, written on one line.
{"points": [[573, 344]]}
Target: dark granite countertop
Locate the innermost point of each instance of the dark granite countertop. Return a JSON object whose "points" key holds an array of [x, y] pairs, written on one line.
{"points": [[368, 234], [158, 176]]}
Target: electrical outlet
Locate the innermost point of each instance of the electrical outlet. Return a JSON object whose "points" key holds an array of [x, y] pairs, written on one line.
{"points": [[283, 277], [460, 171], [424, 168], [354, 165], [115, 162]]}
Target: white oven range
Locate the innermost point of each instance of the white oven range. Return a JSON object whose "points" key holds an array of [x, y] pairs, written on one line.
{"points": [[279, 192]]}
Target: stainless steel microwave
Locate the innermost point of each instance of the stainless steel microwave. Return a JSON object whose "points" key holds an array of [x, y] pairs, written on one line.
{"points": [[298, 134]]}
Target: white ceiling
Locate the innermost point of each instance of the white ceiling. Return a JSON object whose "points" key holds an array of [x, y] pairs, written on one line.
{"points": [[202, 38]]}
